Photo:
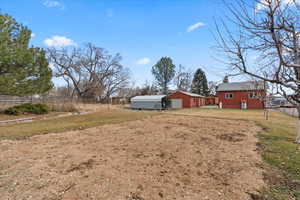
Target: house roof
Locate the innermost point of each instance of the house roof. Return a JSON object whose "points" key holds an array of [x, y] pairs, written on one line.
{"points": [[241, 86], [190, 94], [148, 98]]}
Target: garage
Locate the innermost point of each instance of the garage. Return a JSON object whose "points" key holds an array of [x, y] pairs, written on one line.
{"points": [[176, 103], [188, 100]]}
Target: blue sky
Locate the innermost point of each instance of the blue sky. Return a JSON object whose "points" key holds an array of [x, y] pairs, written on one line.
{"points": [[141, 30]]}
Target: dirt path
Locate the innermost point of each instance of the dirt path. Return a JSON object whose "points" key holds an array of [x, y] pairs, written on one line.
{"points": [[165, 157]]}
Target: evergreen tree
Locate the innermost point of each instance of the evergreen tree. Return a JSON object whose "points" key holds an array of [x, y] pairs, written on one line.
{"points": [[199, 84], [163, 72], [24, 70]]}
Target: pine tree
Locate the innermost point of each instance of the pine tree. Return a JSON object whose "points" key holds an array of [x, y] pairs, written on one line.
{"points": [[24, 70], [163, 72], [199, 84]]}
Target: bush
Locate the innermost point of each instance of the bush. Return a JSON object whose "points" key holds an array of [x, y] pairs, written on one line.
{"points": [[27, 108], [12, 111]]}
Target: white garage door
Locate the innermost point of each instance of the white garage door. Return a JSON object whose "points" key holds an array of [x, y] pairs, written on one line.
{"points": [[176, 103]]}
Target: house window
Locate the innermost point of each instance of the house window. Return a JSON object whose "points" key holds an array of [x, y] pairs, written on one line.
{"points": [[228, 96], [252, 95]]}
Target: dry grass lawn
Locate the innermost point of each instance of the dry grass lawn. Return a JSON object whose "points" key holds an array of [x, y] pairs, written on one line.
{"points": [[276, 146], [4, 117], [71, 122], [161, 157], [167, 156]]}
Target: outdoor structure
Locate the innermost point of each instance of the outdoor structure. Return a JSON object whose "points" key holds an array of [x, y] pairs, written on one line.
{"points": [[181, 99], [277, 101], [211, 100], [149, 102], [242, 95]]}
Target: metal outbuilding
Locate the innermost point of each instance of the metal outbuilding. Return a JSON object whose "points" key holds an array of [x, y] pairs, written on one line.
{"points": [[149, 102]]}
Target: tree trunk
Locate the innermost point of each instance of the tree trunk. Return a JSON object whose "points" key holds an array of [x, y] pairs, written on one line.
{"points": [[298, 130], [266, 113]]}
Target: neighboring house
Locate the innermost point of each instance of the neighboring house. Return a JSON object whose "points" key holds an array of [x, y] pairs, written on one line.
{"points": [[181, 99], [242, 95], [149, 102]]}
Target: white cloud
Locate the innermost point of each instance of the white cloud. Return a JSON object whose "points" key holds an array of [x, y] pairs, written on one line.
{"points": [[262, 4], [59, 41], [195, 26], [53, 4], [143, 61], [32, 35]]}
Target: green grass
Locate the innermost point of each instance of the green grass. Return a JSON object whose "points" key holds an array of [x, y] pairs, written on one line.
{"points": [[74, 122], [276, 141]]}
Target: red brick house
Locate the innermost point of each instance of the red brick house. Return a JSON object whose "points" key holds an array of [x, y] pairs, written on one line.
{"points": [[187, 99], [242, 95]]}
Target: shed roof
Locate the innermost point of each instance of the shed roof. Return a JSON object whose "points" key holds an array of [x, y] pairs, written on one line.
{"points": [[190, 94], [241, 86], [148, 98]]}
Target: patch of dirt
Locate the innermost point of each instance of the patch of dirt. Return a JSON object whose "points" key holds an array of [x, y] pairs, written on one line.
{"points": [[163, 157], [232, 137], [81, 166], [134, 196]]}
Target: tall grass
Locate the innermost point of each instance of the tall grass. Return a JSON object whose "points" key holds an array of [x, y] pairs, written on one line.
{"points": [[63, 107]]}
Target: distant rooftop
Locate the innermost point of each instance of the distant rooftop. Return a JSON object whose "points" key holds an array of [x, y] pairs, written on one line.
{"points": [[190, 94], [241, 86]]}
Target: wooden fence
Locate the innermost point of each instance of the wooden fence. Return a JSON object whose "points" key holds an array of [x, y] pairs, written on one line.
{"points": [[7, 101], [289, 111]]}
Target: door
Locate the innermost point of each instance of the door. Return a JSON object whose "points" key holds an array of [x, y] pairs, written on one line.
{"points": [[176, 103], [244, 105]]}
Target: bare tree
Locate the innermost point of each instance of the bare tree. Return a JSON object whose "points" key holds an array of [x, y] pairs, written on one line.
{"points": [[91, 72], [147, 89], [118, 80], [212, 87], [265, 44], [63, 91], [183, 79]]}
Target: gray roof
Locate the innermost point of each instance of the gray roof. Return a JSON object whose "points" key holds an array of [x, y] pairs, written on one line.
{"points": [[190, 94], [241, 86], [148, 98]]}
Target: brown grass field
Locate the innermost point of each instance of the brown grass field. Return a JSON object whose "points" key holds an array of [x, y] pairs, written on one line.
{"points": [[92, 116], [162, 157], [132, 155]]}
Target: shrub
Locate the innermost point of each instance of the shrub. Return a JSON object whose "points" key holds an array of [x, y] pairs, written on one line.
{"points": [[27, 108], [13, 111]]}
